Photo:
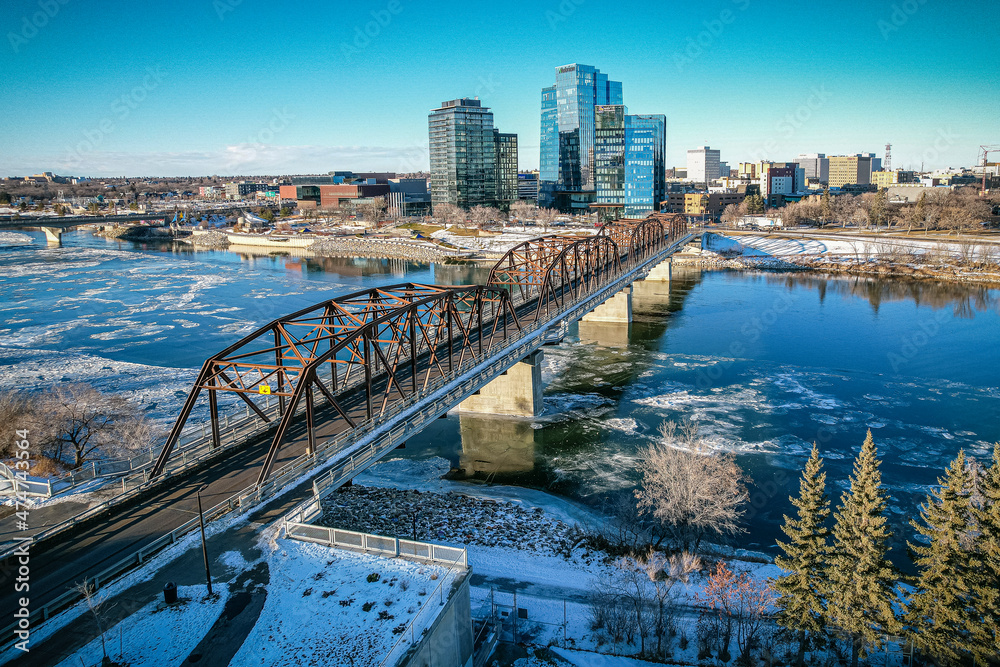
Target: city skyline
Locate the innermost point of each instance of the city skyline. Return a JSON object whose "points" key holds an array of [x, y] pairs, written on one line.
{"points": [[223, 88]]}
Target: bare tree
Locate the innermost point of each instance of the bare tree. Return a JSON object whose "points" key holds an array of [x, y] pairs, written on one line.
{"points": [[547, 216], [372, 210], [731, 215], [96, 607], [663, 573], [449, 214], [622, 531], [523, 210], [482, 215], [690, 491], [83, 420], [741, 600]]}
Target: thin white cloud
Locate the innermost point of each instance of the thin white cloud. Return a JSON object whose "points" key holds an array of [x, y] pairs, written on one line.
{"points": [[238, 159]]}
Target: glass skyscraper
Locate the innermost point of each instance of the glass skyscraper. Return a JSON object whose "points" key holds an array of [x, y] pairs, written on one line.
{"points": [[645, 164], [506, 165], [566, 160], [463, 154], [629, 162]]}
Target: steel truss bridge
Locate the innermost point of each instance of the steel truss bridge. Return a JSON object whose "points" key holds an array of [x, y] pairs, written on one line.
{"points": [[334, 387], [347, 361]]}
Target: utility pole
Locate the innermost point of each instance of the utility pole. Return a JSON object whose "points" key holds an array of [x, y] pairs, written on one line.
{"points": [[204, 545]]}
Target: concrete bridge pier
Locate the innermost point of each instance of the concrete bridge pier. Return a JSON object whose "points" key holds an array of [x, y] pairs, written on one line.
{"points": [[53, 235], [616, 310], [663, 271], [517, 393]]}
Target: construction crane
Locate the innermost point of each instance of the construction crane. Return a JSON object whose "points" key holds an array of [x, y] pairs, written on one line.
{"points": [[984, 152]]}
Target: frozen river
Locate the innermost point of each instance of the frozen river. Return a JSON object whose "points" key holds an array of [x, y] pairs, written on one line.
{"points": [[766, 363]]}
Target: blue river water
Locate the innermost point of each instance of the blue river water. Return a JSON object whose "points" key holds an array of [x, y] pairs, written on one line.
{"points": [[766, 363]]}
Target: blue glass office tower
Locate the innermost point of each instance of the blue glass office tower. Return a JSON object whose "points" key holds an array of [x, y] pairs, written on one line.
{"points": [[629, 162], [566, 161], [645, 164]]}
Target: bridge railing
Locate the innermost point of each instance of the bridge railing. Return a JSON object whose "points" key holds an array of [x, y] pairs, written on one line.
{"points": [[360, 448]]}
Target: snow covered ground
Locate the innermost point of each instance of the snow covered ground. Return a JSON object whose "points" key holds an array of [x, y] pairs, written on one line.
{"points": [[494, 243], [763, 245], [447, 518], [321, 608], [158, 634]]}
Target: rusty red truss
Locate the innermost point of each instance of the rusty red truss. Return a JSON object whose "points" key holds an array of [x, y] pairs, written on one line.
{"points": [[359, 352]]}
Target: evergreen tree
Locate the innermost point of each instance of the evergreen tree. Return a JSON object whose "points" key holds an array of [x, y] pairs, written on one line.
{"points": [[800, 607], [862, 581], [826, 209], [938, 614], [986, 578]]}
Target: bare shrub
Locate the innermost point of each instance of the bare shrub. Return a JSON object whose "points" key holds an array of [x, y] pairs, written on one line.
{"points": [[689, 490]]}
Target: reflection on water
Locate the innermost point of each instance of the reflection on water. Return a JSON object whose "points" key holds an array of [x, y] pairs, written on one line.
{"points": [[819, 368], [495, 446]]}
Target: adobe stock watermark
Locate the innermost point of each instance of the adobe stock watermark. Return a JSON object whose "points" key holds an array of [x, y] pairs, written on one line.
{"points": [[751, 331], [278, 122], [911, 344], [416, 158], [22, 580], [563, 11], [223, 7], [793, 121], [363, 35], [944, 139], [900, 16], [121, 108], [486, 86], [32, 23], [697, 45]]}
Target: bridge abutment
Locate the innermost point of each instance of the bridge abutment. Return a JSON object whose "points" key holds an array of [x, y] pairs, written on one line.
{"points": [[616, 310], [53, 235], [518, 393]]}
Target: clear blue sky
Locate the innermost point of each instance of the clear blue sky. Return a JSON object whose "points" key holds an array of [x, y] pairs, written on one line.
{"points": [[250, 87]]}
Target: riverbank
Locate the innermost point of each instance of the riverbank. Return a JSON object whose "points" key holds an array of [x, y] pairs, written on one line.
{"points": [[328, 246], [970, 260]]}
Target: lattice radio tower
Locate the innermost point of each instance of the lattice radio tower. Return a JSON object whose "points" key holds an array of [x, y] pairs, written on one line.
{"points": [[887, 165]]}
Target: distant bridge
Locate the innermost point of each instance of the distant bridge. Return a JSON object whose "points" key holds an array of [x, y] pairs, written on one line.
{"points": [[53, 226]]}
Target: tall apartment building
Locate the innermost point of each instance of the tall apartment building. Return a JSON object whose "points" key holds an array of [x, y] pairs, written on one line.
{"points": [[505, 148], [472, 162], [781, 178], [703, 165], [629, 161], [852, 169], [815, 165], [566, 156]]}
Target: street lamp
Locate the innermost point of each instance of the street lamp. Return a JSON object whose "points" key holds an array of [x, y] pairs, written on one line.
{"points": [[204, 545]]}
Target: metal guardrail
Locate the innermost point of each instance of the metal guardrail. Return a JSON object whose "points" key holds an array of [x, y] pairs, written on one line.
{"points": [[379, 544], [372, 440]]}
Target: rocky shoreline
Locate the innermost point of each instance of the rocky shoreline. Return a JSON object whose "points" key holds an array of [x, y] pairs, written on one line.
{"points": [[874, 268], [349, 246], [447, 517]]}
